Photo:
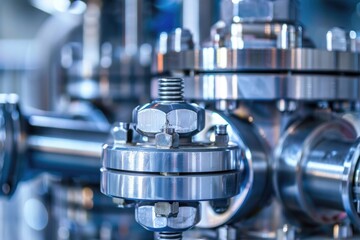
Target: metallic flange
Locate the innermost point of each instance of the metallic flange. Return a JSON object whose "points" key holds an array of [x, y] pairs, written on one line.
{"points": [[255, 186], [187, 159], [315, 168], [261, 86], [259, 60], [11, 143], [156, 187]]}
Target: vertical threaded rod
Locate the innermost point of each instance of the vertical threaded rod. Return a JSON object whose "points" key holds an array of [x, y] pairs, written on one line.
{"points": [[170, 236], [171, 89]]}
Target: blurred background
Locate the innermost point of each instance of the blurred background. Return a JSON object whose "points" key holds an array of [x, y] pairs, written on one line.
{"points": [[91, 59]]}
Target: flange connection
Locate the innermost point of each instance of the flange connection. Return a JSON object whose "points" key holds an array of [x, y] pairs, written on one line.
{"points": [[169, 174], [11, 143], [319, 157]]}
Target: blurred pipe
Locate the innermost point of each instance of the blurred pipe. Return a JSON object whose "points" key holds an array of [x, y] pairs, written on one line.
{"points": [[65, 147], [44, 87], [198, 17]]}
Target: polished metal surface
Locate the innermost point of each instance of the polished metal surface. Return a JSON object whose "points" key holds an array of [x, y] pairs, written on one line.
{"points": [[261, 86], [255, 187], [156, 187], [171, 167], [194, 158], [169, 110], [255, 35], [187, 216], [46, 143], [314, 170], [260, 60]]}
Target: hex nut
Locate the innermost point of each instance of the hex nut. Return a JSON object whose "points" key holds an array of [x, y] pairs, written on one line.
{"points": [[187, 119], [187, 217], [167, 140], [122, 133], [221, 140], [166, 209]]}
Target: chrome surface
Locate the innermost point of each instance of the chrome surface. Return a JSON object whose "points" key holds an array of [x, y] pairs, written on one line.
{"points": [[261, 86], [261, 60], [186, 217], [173, 167], [255, 187], [314, 170], [255, 35], [169, 110], [193, 158], [156, 187]]}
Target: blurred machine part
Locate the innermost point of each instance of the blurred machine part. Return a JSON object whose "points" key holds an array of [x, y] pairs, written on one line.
{"points": [[254, 133]]}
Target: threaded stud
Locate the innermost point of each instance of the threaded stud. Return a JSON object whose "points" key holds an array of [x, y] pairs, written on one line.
{"points": [[171, 89], [169, 236]]}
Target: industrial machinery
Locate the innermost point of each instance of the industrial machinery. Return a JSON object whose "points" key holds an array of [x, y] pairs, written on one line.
{"points": [[253, 131]]}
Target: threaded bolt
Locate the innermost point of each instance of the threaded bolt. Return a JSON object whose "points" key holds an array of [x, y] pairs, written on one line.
{"points": [[170, 236], [171, 89]]}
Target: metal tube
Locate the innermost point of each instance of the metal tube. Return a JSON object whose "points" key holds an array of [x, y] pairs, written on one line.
{"points": [[324, 173], [65, 146]]}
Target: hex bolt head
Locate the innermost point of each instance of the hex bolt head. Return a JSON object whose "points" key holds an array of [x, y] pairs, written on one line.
{"points": [[166, 209], [121, 133], [167, 217], [221, 136], [168, 138], [336, 39]]}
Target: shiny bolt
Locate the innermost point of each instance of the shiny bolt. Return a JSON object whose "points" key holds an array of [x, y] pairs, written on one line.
{"points": [[166, 209], [336, 39], [170, 109], [221, 136], [168, 138], [167, 217], [122, 133], [180, 40]]}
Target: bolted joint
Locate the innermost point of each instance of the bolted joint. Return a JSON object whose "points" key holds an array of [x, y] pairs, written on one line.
{"points": [[169, 110], [168, 217], [168, 138], [221, 135], [122, 133], [186, 119], [166, 209]]}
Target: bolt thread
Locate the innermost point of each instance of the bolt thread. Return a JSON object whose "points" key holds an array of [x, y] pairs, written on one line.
{"points": [[170, 236], [171, 89]]}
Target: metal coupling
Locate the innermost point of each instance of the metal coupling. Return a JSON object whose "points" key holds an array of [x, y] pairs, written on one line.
{"points": [[170, 173], [319, 157]]}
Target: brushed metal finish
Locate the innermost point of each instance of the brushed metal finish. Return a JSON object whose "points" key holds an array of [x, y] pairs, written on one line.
{"points": [[187, 159], [154, 187]]}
